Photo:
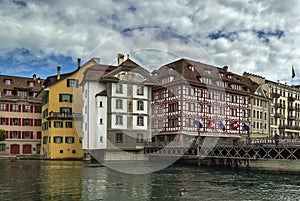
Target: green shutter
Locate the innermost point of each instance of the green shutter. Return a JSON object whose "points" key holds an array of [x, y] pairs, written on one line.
{"points": [[68, 83], [60, 97], [71, 98]]}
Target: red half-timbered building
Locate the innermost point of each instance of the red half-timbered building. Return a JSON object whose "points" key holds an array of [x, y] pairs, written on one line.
{"points": [[191, 91]]}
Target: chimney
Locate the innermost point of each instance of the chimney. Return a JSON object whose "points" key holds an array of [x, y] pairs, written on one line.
{"points": [[120, 59], [39, 80], [225, 68], [58, 72], [78, 62], [34, 77], [127, 56], [97, 60]]}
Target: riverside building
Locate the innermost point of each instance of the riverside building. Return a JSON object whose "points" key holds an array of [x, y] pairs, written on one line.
{"points": [[116, 110], [20, 115]]}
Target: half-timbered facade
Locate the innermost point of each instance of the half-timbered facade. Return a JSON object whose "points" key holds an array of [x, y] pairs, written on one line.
{"points": [[191, 91]]}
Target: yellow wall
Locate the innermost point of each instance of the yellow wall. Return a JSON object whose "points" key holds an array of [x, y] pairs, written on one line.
{"points": [[52, 150]]}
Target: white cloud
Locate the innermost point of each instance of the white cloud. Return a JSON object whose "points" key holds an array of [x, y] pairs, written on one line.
{"points": [[75, 28]]}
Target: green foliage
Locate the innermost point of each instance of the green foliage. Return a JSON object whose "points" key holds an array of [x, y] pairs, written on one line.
{"points": [[2, 135]]}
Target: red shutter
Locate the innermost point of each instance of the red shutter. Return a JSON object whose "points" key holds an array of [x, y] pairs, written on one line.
{"points": [[31, 135], [10, 121], [39, 135], [10, 134], [7, 121], [23, 136], [7, 134], [19, 134], [24, 108], [20, 107], [31, 108], [11, 107], [31, 122], [7, 107]]}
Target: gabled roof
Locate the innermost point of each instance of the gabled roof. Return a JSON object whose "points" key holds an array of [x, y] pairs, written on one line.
{"points": [[192, 71], [94, 73], [129, 66], [102, 93]]}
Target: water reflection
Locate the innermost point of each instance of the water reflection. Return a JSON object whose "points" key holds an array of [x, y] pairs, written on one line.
{"points": [[75, 180]]}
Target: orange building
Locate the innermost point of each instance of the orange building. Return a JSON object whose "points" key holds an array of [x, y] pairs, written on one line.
{"points": [[20, 114]]}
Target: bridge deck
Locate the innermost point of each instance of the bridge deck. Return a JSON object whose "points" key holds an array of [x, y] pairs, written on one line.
{"points": [[250, 152]]}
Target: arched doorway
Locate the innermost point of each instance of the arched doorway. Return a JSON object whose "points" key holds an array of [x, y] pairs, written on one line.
{"points": [[27, 149], [14, 149]]}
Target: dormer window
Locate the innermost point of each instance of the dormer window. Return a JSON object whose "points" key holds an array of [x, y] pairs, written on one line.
{"points": [[7, 82], [30, 84], [8, 92], [191, 68], [207, 71]]}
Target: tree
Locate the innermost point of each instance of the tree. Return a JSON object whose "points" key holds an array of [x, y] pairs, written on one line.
{"points": [[2, 135]]}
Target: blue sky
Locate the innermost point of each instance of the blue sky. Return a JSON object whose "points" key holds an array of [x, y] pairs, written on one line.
{"points": [[253, 36]]}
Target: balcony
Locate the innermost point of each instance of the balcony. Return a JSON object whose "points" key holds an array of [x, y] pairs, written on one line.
{"points": [[291, 99], [278, 115], [275, 95], [278, 105], [292, 118], [59, 116], [291, 108]]}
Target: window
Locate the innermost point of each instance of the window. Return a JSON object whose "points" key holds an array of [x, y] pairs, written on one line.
{"points": [[101, 139], [8, 92], [140, 121], [70, 140], [3, 121], [140, 90], [34, 94], [101, 121], [2, 147], [15, 134], [26, 135], [26, 122], [119, 120], [3, 107], [66, 98], [119, 104], [15, 108], [45, 100], [7, 82], [100, 104], [27, 108], [58, 124], [30, 84], [15, 121], [61, 151], [46, 139], [37, 109], [119, 88], [69, 124], [65, 110], [140, 105], [58, 139], [45, 113], [72, 83], [139, 138], [119, 137], [22, 94]]}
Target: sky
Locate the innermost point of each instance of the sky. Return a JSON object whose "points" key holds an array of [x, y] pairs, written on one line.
{"points": [[259, 37]]}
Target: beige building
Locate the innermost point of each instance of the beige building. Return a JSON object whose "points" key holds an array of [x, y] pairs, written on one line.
{"points": [[20, 114]]}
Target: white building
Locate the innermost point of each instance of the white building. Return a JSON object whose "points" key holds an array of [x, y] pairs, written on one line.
{"points": [[116, 110]]}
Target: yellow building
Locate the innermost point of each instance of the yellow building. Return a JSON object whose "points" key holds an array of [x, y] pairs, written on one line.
{"points": [[61, 114]]}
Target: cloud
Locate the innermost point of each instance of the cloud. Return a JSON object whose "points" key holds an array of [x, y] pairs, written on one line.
{"points": [[255, 36]]}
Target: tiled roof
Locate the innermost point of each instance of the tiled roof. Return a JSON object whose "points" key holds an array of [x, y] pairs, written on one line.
{"points": [[102, 93], [94, 73], [192, 71], [20, 83], [53, 79]]}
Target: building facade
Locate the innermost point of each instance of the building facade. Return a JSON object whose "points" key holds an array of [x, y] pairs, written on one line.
{"points": [[61, 114], [20, 114], [191, 91], [116, 110]]}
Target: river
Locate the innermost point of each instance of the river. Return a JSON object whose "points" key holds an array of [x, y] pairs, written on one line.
{"points": [[76, 180]]}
